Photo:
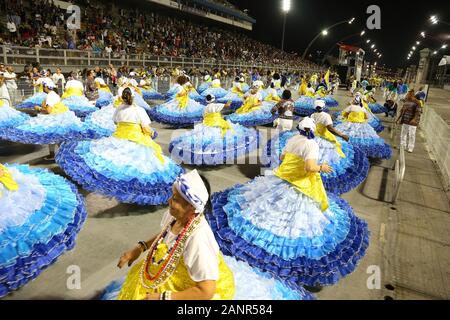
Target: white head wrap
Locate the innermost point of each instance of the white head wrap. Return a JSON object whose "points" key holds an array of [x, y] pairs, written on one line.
{"points": [[307, 123], [319, 103], [100, 81], [191, 187], [142, 82], [207, 77], [48, 83], [216, 82]]}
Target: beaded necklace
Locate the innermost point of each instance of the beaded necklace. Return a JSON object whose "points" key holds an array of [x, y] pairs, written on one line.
{"points": [[171, 258]]}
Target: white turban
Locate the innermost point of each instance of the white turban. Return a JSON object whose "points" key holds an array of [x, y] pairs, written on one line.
{"points": [[307, 123], [100, 81], [48, 83], [191, 187], [216, 82], [319, 103]]}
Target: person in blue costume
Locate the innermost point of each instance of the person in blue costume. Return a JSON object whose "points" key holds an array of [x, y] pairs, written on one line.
{"points": [[193, 94], [369, 98], [286, 224], [40, 216], [36, 99], [137, 93], [236, 94], [205, 85], [184, 261], [181, 111], [322, 93], [304, 106], [215, 89], [74, 98], [9, 117], [55, 124], [350, 165], [215, 141], [148, 92], [361, 134], [105, 97], [128, 166], [255, 111]]}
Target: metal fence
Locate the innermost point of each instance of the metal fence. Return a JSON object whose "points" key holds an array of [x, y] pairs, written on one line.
{"points": [[437, 134], [76, 59]]}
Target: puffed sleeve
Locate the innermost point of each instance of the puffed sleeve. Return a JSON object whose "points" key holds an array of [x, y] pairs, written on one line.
{"points": [[201, 255], [143, 117], [312, 150]]}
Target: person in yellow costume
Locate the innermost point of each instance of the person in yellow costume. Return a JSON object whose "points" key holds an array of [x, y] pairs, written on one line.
{"points": [[303, 87], [272, 94], [74, 98], [184, 262], [252, 102]]}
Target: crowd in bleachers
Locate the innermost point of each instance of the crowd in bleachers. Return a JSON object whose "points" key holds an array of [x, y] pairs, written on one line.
{"points": [[116, 31]]}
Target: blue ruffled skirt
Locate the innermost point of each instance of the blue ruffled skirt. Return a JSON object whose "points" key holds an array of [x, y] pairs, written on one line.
{"points": [[305, 106], [170, 113], [277, 229], [119, 168], [36, 100], [10, 117], [250, 283], [38, 223], [236, 100], [330, 102], [206, 146], [217, 92], [348, 173], [256, 118], [105, 98], [203, 87], [80, 105], [377, 108], [48, 129], [373, 121], [151, 94], [363, 136]]}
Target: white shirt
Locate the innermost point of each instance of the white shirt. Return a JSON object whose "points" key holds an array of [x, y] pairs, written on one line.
{"points": [[213, 107], [305, 148], [11, 26], [131, 114], [10, 84], [52, 99], [322, 118], [201, 252], [74, 84], [56, 77], [354, 108], [4, 94]]}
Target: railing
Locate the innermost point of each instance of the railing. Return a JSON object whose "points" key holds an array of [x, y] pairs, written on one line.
{"points": [[400, 168], [437, 134], [19, 56]]}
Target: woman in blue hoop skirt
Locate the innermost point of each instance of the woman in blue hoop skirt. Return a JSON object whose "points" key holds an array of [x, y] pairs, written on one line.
{"points": [[40, 216], [74, 98], [350, 165], [287, 225], [215, 89], [105, 97], [36, 99], [374, 106], [181, 111], [128, 166], [148, 92], [215, 141], [54, 125], [361, 134], [236, 94], [10, 117]]}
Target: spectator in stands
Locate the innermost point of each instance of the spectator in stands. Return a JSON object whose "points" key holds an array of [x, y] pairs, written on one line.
{"points": [[12, 28], [59, 79], [11, 85], [91, 87]]}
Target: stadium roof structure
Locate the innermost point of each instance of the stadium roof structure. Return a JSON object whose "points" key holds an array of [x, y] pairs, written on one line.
{"points": [[224, 9]]}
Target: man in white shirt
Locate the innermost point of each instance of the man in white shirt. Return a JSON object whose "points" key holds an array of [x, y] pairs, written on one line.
{"points": [[59, 79], [11, 85], [11, 26]]}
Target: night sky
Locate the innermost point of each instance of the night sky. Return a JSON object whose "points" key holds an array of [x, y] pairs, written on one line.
{"points": [[401, 24]]}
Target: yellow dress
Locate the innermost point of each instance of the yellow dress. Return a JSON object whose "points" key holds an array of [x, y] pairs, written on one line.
{"points": [[133, 132], [237, 89], [175, 277], [356, 117], [58, 108], [292, 170], [214, 119], [251, 104], [323, 132], [7, 180], [71, 92]]}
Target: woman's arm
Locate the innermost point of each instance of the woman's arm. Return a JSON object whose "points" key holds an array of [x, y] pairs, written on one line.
{"points": [[132, 255], [312, 166], [337, 133], [202, 291]]}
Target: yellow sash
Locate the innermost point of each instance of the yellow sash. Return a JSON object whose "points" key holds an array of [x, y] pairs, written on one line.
{"points": [[214, 119], [147, 87], [310, 184], [238, 90], [1, 103], [7, 180], [133, 132], [103, 87], [251, 104], [323, 132], [118, 102], [59, 108], [137, 90], [356, 117], [182, 98], [309, 94], [215, 85], [272, 98], [180, 280], [70, 92]]}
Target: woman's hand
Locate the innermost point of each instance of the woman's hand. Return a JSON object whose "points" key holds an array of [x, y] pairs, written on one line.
{"points": [[325, 168], [129, 257], [152, 296]]}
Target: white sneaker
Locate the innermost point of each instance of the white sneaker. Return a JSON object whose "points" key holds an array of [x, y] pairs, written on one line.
{"points": [[410, 151]]}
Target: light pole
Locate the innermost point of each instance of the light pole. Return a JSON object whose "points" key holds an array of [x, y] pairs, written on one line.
{"points": [[324, 33], [286, 7]]}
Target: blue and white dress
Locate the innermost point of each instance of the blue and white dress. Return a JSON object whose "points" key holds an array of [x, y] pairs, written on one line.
{"points": [[250, 114], [181, 111], [36, 99], [278, 228], [75, 99], [362, 134], [39, 221], [215, 141], [10, 117], [235, 95], [373, 120], [105, 97], [128, 166], [350, 165], [202, 87], [52, 128], [193, 94], [374, 106]]}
